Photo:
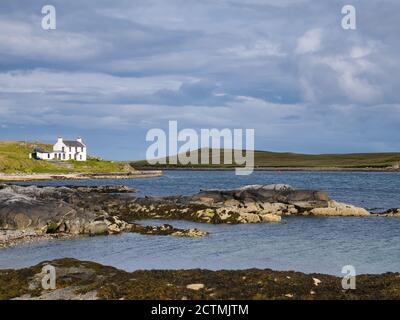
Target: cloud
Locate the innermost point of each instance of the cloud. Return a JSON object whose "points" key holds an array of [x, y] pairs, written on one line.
{"points": [[310, 42], [285, 68], [261, 48], [22, 39]]}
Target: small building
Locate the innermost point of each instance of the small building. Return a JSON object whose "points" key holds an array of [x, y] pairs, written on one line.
{"points": [[63, 150]]}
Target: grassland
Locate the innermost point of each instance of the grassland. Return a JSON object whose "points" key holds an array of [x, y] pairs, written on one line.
{"points": [[14, 158], [276, 160]]}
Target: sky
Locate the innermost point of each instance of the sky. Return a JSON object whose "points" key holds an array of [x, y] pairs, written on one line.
{"points": [[112, 70]]}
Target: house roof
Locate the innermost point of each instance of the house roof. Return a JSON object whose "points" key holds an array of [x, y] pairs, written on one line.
{"points": [[40, 150], [73, 143]]}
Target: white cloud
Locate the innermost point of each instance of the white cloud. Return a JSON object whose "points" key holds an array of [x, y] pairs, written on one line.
{"points": [[284, 67], [78, 83], [310, 42], [22, 39], [261, 48], [352, 77]]}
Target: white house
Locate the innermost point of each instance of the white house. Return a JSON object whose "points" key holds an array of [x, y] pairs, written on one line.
{"points": [[63, 150]]}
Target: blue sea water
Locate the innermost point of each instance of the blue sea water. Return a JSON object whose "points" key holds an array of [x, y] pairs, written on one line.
{"points": [[307, 244]]}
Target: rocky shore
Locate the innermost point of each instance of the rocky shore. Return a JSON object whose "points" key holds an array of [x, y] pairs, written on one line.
{"points": [[79, 176], [80, 280], [47, 212]]}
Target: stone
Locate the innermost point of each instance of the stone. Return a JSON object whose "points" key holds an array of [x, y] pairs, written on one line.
{"points": [[316, 281], [274, 208], [339, 209], [270, 217], [193, 233], [249, 218], [278, 187], [97, 228], [195, 286]]}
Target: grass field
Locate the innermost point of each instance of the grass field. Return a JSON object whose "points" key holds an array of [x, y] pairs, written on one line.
{"points": [[265, 159], [14, 158]]}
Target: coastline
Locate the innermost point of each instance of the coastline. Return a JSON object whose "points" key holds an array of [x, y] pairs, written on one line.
{"points": [[79, 176], [36, 213], [278, 169], [122, 212], [83, 280]]}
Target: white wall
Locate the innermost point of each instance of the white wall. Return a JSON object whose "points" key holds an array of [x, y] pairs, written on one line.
{"points": [[70, 151]]}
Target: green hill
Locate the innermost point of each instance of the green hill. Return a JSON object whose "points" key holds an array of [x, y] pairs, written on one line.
{"points": [[277, 160], [14, 158]]}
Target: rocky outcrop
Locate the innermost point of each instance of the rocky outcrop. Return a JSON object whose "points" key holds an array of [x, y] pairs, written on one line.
{"points": [[250, 204], [395, 212], [339, 209], [44, 212], [98, 210], [77, 280]]}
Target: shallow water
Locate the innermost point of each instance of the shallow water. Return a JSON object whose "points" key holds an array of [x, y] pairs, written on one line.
{"points": [[325, 245]]}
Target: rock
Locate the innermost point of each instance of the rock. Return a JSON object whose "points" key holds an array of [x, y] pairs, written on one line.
{"points": [[249, 218], [277, 208], [103, 189], [193, 233], [316, 282], [395, 212], [206, 215], [277, 187], [89, 280], [339, 209], [231, 203], [195, 286], [97, 228], [165, 230], [96, 210], [22, 221], [270, 218]]}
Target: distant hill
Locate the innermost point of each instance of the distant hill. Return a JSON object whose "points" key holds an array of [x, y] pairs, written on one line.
{"points": [[14, 158], [277, 160]]}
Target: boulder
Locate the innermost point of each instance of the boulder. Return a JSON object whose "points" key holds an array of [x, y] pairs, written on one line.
{"points": [[339, 209], [96, 228], [249, 218], [270, 218], [195, 286]]}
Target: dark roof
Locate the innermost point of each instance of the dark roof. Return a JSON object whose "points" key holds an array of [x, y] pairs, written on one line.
{"points": [[39, 150], [73, 143]]}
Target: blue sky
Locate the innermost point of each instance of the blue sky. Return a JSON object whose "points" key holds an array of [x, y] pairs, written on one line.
{"points": [[115, 69]]}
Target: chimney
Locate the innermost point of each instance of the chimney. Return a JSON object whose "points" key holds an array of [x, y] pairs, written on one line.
{"points": [[60, 139], [79, 139]]}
